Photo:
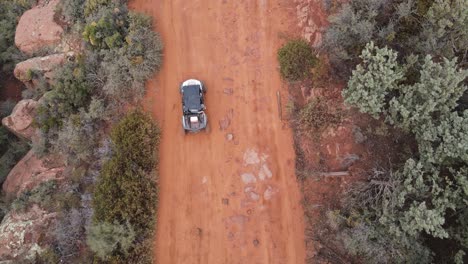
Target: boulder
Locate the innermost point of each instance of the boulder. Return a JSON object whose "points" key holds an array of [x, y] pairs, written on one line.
{"points": [[30, 172], [37, 29], [21, 118], [22, 233], [25, 71]]}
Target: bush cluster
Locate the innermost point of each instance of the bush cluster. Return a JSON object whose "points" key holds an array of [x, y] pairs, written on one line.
{"points": [[88, 95], [409, 61], [296, 59], [10, 11], [125, 195]]}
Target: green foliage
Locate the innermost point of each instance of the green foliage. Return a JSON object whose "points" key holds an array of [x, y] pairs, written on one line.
{"points": [[437, 28], [296, 58], [128, 68], [79, 134], [135, 138], [48, 256], [351, 28], [436, 93], [445, 30], [70, 93], [445, 140], [126, 191], [10, 11], [92, 6], [428, 189], [107, 32], [371, 82], [105, 239], [73, 10], [375, 245], [423, 94], [41, 195]]}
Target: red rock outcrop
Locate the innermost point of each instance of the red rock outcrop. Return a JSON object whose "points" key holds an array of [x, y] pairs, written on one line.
{"points": [[25, 71], [20, 120], [37, 29], [21, 233], [30, 172]]}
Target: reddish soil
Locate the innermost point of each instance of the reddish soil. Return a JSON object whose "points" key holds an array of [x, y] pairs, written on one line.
{"points": [[221, 200]]}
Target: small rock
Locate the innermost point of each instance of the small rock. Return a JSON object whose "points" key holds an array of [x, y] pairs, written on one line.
{"points": [[251, 157], [248, 178], [264, 173], [254, 196], [228, 91], [199, 231], [225, 201], [229, 137], [256, 242], [238, 219], [224, 123], [269, 193]]}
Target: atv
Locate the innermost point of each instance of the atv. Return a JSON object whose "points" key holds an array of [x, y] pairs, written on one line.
{"points": [[193, 105]]}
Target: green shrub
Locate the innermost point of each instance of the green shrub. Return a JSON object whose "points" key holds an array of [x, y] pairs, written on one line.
{"points": [[427, 188], [48, 256], [126, 192], [127, 69], [296, 58], [71, 92], [41, 195], [107, 239], [438, 28], [107, 32], [92, 6], [73, 10], [132, 197], [78, 137], [137, 146], [10, 11]]}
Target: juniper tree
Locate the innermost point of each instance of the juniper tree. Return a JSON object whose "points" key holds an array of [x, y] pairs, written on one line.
{"points": [[433, 186]]}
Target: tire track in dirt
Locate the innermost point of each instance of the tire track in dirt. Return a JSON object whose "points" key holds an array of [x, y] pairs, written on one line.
{"points": [[223, 199]]}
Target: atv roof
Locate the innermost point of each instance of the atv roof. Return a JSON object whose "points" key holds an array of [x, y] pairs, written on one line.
{"points": [[192, 97]]}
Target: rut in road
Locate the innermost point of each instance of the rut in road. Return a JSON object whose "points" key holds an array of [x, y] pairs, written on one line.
{"points": [[228, 195]]}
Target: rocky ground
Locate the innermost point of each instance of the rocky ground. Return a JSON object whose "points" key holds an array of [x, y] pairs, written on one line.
{"points": [[22, 234]]}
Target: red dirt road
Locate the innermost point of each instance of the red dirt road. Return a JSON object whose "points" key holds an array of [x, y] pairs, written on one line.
{"points": [[225, 201]]}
